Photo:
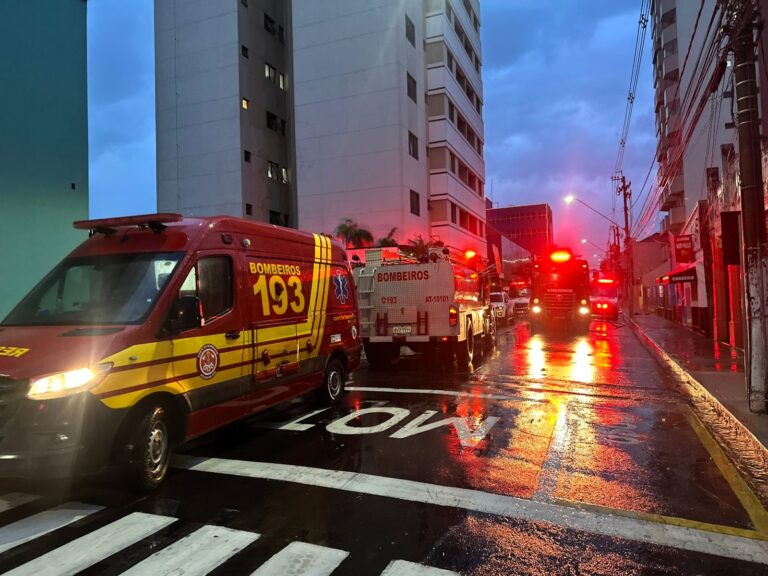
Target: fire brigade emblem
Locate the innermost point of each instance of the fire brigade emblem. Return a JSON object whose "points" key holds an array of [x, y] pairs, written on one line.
{"points": [[342, 287], [207, 361]]}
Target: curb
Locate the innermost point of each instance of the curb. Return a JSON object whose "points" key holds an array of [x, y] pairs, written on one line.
{"points": [[732, 435]]}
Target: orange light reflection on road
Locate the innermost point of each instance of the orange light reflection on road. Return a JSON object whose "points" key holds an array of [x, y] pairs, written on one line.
{"points": [[582, 369], [536, 359]]}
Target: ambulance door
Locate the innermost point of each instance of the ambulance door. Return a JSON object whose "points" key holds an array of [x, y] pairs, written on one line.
{"points": [[210, 351], [276, 303]]}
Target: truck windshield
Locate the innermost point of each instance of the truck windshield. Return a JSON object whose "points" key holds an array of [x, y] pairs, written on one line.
{"points": [[605, 291], [109, 289], [564, 278], [496, 297]]}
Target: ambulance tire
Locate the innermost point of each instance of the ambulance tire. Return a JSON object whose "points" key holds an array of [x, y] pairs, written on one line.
{"points": [[465, 351], [333, 382], [151, 453]]}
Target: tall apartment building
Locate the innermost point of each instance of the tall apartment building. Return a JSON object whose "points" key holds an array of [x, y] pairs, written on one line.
{"points": [[43, 139], [389, 128], [224, 102], [529, 226], [683, 162]]}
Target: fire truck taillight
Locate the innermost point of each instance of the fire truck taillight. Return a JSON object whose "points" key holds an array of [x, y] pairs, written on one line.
{"points": [[453, 315]]}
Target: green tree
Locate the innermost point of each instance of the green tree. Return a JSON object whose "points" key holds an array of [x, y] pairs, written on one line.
{"points": [[388, 240], [418, 247], [352, 235]]}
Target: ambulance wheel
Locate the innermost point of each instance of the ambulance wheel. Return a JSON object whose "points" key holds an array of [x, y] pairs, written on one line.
{"points": [[465, 351], [333, 382], [150, 448]]}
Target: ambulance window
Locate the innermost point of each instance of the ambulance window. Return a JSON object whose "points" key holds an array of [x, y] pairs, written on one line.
{"points": [[215, 286]]}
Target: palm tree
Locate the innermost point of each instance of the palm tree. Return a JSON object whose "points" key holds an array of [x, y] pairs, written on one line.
{"points": [[418, 247], [352, 235], [388, 240]]}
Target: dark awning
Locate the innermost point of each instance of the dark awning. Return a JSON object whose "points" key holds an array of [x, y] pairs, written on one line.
{"points": [[681, 274]]}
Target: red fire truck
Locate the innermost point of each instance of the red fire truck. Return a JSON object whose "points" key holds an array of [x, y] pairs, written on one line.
{"points": [[437, 305], [560, 291]]}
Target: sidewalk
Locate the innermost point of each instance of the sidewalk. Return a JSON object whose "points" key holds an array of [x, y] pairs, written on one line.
{"points": [[716, 367]]}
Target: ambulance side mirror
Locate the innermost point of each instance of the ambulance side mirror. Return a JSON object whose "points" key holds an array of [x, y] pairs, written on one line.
{"points": [[184, 314]]}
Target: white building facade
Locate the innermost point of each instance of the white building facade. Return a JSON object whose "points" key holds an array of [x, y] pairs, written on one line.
{"points": [[224, 109], [388, 109]]}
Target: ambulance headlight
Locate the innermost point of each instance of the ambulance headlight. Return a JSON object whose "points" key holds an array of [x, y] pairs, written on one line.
{"points": [[536, 309], [67, 383], [583, 310]]}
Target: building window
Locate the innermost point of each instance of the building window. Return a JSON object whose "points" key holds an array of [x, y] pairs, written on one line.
{"points": [[453, 162], [272, 122], [453, 213], [269, 24], [284, 175], [451, 112], [283, 125], [245, 103], [249, 209], [449, 11], [247, 155], [415, 203], [411, 86], [274, 218], [244, 3], [410, 31], [244, 51], [273, 171], [450, 60], [413, 145], [280, 34], [281, 81], [270, 71]]}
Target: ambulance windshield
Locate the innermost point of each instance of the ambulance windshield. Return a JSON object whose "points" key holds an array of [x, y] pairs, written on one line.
{"points": [[105, 289]]}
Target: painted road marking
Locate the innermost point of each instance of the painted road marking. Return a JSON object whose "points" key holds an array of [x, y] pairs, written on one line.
{"points": [[558, 444], [445, 393], [15, 499], [296, 425], [42, 523], [675, 536], [302, 559], [403, 568], [94, 547], [757, 514], [197, 554]]}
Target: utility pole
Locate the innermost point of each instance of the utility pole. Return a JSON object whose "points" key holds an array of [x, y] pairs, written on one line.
{"points": [[755, 251], [624, 190]]}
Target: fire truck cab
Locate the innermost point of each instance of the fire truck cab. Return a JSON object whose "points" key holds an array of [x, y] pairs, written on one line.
{"points": [[438, 305], [604, 297], [560, 292]]}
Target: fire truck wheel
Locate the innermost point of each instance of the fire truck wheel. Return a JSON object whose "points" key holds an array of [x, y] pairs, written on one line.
{"points": [[151, 444], [333, 382], [465, 351]]}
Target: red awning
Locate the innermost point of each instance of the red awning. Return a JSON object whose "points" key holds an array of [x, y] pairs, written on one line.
{"points": [[680, 275]]}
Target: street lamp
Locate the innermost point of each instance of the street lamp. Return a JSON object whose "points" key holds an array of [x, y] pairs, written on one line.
{"points": [[585, 241], [570, 199]]}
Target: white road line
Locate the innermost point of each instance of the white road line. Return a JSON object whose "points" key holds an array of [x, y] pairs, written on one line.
{"points": [[196, 554], [302, 559], [15, 499], [403, 568], [550, 470], [685, 538], [40, 524], [94, 547], [456, 393]]}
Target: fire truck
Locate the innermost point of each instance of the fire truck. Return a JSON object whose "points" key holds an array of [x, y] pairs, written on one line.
{"points": [[560, 292], [437, 305]]}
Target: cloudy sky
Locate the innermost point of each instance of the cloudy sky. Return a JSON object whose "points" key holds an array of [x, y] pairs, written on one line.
{"points": [[556, 77]]}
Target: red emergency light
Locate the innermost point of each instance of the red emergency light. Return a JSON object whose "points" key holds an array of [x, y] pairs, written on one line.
{"points": [[560, 256], [605, 281], [469, 254]]}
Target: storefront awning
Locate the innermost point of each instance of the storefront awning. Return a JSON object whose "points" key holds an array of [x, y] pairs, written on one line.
{"points": [[679, 275]]}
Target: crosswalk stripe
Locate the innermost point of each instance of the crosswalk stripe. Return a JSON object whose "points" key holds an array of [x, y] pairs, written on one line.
{"points": [[302, 559], [403, 568], [196, 554], [15, 499], [94, 547], [41, 523]]}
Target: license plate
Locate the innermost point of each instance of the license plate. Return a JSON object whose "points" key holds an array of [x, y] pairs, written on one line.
{"points": [[401, 330]]}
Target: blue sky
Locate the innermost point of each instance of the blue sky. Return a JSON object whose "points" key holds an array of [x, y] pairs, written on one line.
{"points": [[556, 75]]}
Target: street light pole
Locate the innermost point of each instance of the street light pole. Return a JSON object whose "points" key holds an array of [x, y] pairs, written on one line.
{"points": [[625, 190], [571, 198]]}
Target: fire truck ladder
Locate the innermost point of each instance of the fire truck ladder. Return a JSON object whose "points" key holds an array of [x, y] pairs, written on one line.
{"points": [[365, 288]]}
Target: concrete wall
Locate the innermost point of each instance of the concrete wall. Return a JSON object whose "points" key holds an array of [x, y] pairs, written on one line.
{"points": [[43, 138], [353, 116]]}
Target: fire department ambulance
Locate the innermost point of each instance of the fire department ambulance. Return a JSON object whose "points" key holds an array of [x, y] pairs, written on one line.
{"points": [[436, 306], [158, 329]]}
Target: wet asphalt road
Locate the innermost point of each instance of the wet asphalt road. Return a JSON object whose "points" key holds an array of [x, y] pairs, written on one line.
{"points": [[558, 454]]}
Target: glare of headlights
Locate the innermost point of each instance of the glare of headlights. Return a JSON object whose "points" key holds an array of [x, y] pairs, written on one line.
{"points": [[536, 309], [66, 383], [583, 310]]}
